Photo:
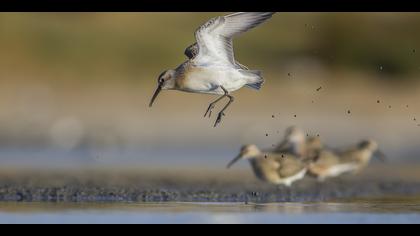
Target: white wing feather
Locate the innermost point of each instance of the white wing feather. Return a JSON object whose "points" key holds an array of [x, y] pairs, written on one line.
{"points": [[214, 38]]}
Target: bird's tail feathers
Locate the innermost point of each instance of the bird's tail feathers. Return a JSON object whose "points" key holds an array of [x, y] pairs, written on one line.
{"points": [[255, 77]]}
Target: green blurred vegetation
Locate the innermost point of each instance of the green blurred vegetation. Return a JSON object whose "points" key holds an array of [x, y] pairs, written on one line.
{"points": [[88, 46]]}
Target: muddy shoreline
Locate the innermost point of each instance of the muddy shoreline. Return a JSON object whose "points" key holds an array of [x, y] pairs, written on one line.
{"points": [[184, 186]]}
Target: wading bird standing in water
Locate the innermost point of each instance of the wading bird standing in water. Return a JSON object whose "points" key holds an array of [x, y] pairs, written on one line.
{"points": [[212, 68], [332, 164], [277, 168]]}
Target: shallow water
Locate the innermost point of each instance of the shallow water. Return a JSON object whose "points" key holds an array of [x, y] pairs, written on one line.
{"points": [[376, 211]]}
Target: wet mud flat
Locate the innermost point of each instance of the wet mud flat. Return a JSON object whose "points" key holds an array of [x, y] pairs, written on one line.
{"points": [[129, 185]]}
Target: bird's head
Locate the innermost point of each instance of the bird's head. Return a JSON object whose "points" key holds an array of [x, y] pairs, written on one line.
{"points": [[294, 139], [166, 80], [372, 147], [247, 152], [295, 135]]}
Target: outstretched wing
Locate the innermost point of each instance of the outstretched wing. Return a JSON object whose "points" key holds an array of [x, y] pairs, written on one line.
{"points": [[214, 38], [192, 51]]}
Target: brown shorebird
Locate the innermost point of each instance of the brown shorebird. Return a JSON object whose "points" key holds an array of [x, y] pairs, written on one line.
{"points": [[212, 68], [297, 144], [330, 164], [274, 168], [293, 142]]}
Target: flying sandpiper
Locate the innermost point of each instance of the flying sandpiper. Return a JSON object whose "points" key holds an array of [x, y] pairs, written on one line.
{"points": [[211, 67]]}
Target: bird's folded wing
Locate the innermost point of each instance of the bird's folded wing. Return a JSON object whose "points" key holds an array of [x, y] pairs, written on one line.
{"points": [[327, 158], [348, 155], [290, 166], [282, 147], [214, 38]]}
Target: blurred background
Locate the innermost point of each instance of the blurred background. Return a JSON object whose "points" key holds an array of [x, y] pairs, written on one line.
{"points": [[75, 88]]}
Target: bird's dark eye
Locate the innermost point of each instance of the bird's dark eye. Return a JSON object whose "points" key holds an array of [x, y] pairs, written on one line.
{"points": [[161, 80]]}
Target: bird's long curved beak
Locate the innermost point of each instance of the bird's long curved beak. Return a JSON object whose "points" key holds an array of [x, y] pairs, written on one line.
{"points": [[380, 156], [158, 89], [234, 161]]}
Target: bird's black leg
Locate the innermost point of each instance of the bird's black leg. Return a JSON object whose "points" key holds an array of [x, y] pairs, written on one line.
{"points": [[221, 113], [212, 105]]}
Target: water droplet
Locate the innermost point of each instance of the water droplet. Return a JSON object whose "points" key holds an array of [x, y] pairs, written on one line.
{"points": [[318, 89], [273, 116], [378, 101], [288, 74], [266, 135], [348, 112], [295, 116]]}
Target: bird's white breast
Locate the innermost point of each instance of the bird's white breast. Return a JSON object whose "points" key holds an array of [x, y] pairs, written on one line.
{"points": [[339, 169], [209, 80]]}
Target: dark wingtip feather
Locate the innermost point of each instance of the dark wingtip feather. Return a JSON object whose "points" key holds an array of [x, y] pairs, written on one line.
{"points": [[256, 86]]}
